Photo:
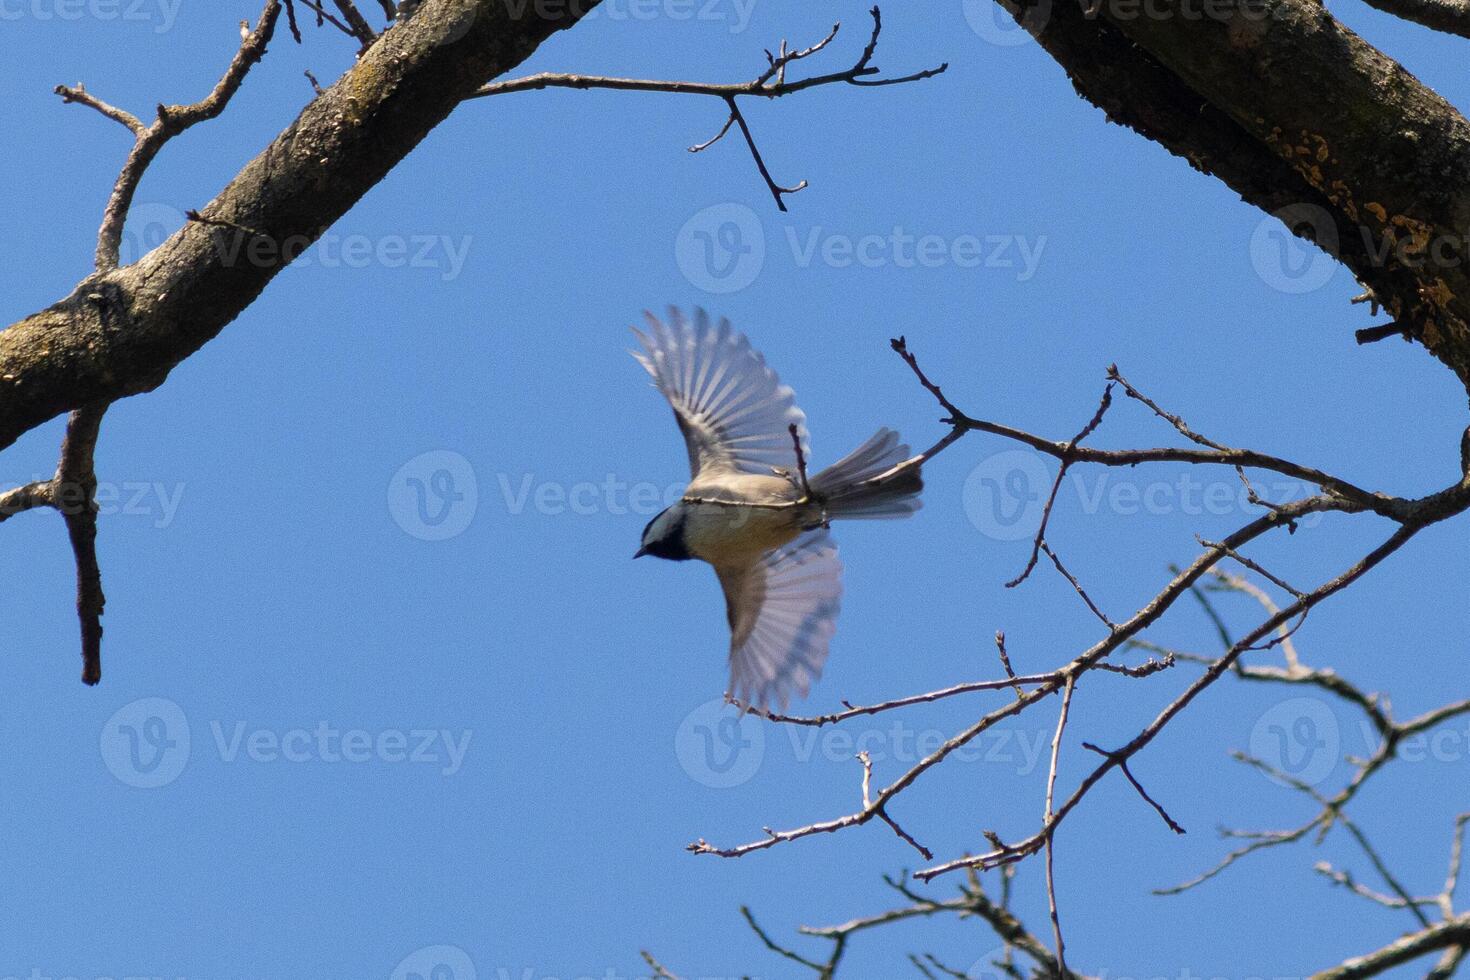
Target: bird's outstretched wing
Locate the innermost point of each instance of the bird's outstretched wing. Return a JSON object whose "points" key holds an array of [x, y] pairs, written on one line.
{"points": [[783, 611], [732, 409]]}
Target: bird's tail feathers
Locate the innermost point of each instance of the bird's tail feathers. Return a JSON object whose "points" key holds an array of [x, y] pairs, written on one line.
{"points": [[866, 484]]}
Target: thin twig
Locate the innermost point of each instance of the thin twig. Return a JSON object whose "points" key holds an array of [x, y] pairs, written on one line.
{"points": [[1005, 661], [1137, 786], [1355, 498], [1076, 587], [659, 970], [1039, 541], [357, 24], [1051, 783], [927, 697], [322, 16], [1346, 880], [78, 93], [776, 947]]}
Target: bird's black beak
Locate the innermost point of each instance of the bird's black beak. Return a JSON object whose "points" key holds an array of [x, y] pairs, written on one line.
{"points": [[640, 552]]}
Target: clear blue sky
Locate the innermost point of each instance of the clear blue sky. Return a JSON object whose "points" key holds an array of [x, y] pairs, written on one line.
{"points": [[271, 578]]}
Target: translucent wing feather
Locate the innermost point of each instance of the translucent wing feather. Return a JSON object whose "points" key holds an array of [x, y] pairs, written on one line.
{"points": [[733, 411], [783, 612]]}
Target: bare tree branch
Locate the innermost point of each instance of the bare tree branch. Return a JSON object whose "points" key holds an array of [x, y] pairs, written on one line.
{"points": [[357, 24], [1455, 933], [1289, 108], [76, 499], [770, 84], [1331, 811], [1046, 820], [1012, 852], [1039, 542], [122, 330], [72, 492], [1449, 16], [171, 121]]}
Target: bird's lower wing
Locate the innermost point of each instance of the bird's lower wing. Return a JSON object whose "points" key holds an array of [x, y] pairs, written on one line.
{"points": [[783, 611]]}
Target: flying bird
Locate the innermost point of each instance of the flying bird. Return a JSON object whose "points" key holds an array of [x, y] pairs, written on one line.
{"points": [[750, 509]]}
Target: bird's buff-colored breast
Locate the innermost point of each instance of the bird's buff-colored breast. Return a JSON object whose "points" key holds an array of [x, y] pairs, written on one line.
{"points": [[721, 526]]}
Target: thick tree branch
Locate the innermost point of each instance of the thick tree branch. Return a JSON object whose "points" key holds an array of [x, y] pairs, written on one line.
{"points": [[1455, 932], [1303, 119], [120, 332], [1449, 16]]}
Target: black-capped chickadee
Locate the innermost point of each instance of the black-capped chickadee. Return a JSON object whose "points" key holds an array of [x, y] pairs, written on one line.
{"points": [[747, 510]]}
